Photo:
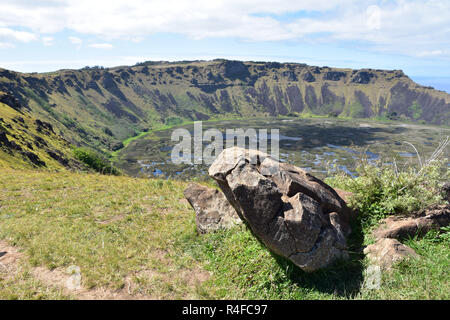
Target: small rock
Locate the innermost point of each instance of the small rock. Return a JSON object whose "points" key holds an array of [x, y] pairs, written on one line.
{"points": [[116, 146], [431, 218], [385, 252], [446, 190], [212, 209]]}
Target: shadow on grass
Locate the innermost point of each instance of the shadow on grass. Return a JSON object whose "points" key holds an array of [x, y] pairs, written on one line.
{"points": [[344, 278]]}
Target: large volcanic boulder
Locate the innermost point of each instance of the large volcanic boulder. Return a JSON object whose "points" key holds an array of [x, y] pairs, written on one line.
{"points": [[293, 213], [212, 209]]}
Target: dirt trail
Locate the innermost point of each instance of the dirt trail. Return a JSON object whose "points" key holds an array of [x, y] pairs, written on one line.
{"points": [[12, 259]]}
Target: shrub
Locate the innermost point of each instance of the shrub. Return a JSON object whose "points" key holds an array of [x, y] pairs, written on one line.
{"points": [[95, 161], [380, 190], [173, 121]]}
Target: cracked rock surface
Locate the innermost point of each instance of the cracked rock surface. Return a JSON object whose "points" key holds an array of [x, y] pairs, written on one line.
{"points": [[293, 214], [212, 209]]}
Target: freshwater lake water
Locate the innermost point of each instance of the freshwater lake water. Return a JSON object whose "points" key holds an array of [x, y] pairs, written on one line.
{"points": [[319, 146]]}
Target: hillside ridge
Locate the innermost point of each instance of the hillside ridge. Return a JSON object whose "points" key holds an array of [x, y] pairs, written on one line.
{"points": [[101, 107]]}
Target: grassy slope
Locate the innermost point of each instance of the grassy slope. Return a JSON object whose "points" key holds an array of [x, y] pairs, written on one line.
{"points": [[110, 227], [119, 227], [24, 135]]}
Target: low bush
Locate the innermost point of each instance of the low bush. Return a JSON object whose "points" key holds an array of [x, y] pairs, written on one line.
{"points": [[95, 161], [381, 189], [173, 121]]}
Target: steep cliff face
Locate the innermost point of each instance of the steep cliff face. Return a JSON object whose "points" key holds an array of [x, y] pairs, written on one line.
{"points": [[100, 107], [27, 142]]}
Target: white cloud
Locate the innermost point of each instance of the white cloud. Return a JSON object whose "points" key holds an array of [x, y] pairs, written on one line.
{"points": [[47, 41], [373, 21], [101, 45], [409, 27], [433, 53], [76, 40], [6, 45], [13, 35]]}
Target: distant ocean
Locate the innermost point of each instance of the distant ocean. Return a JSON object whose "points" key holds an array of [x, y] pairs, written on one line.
{"points": [[439, 83]]}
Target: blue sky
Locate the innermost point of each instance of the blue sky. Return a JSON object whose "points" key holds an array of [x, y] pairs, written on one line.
{"points": [[40, 36]]}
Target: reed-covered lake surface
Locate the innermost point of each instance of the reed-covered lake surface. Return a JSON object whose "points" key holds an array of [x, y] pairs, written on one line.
{"points": [[318, 145]]}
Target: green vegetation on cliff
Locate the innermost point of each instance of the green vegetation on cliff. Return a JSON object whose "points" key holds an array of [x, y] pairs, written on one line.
{"points": [[27, 142], [100, 108]]}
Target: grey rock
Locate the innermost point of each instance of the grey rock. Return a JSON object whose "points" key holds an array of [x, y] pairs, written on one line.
{"points": [[386, 252], [212, 209], [446, 191], [432, 218], [294, 214]]}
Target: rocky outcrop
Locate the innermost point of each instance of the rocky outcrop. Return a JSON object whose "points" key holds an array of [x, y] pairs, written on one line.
{"points": [[10, 100], [431, 218], [33, 158], [385, 252], [291, 212], [42, 126], [388, 250], [212, 209], [4, 139]]}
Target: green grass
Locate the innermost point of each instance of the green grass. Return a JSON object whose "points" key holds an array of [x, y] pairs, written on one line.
{"points": [[423, 278], [116, 228], [244, 269], [111, 227]]}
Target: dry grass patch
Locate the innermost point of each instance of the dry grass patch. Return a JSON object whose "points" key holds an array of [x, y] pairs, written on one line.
{"points": [[110, 227]]}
